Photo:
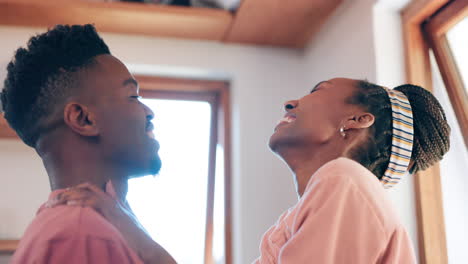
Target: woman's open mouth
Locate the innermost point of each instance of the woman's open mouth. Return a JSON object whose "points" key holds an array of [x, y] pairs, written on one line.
{"points": [[287, 119]]}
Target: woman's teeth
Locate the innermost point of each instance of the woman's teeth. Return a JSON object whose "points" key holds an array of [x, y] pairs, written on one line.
{"points": [[286, 119]]}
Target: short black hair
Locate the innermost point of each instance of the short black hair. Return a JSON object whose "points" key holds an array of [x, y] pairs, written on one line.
{"points": [[42, 76]]}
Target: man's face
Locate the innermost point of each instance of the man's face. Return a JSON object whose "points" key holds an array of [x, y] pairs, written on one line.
{"points": [[125, 131]]}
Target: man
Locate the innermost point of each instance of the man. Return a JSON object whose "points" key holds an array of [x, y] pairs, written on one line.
{"points": [[67, 97]]}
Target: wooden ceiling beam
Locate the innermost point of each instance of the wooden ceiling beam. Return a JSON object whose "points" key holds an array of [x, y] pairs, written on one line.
{"points": [[119, 17], [279, 23]]}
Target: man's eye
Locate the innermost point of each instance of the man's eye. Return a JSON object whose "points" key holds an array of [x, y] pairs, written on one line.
{"points": [[136, 96]]}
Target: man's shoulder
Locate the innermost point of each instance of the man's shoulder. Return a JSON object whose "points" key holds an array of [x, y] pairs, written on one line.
{"points": [[66, 232], [63, 222]]}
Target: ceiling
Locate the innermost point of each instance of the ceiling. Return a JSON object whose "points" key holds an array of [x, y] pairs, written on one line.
{"points": [[258, 22]]}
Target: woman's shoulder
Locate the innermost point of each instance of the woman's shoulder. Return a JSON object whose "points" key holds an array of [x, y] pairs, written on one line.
{"points": [[344, 170], [348, 182]]}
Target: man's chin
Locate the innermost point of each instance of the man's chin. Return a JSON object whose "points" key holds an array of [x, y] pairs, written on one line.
{"points": [[155, 165], [136, 176], [152, 169]]}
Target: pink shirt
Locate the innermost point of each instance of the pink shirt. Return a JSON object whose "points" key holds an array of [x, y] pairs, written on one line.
{"points": [[342, 217], [68, 234]]}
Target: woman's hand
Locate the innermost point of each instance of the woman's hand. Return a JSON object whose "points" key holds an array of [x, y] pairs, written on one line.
{"points": [[88, 195], [122, 218]]}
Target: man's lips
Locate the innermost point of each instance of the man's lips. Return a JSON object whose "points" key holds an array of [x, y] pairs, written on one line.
{"points": [[287, 119], [149, 130]]}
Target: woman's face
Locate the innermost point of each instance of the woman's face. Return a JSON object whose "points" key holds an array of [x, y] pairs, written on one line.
{"points": [[316, 118]]}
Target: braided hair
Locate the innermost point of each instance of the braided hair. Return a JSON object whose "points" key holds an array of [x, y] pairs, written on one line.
{"points": [[431, 130]]}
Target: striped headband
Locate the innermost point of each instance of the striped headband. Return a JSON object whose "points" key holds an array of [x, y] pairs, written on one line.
{"points": [[402, 138]]}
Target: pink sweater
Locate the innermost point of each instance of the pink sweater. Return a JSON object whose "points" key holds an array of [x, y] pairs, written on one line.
{"points": [[72, 235], [343, 216]]}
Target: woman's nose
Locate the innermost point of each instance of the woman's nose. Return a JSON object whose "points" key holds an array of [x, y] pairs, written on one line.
{"points": [[289, 105]]}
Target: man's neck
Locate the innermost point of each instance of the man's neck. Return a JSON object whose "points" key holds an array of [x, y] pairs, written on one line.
{"points": [[74, 161], [65, 174]]}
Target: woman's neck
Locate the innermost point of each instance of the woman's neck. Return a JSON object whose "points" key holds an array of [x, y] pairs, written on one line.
{"points": [[304, 163]]}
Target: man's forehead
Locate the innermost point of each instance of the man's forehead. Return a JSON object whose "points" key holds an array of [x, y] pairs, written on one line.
{"points": [[109, 71], [111, 64]]}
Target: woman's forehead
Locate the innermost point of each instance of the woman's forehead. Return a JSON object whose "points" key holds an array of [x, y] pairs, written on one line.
{"points": [[341, 85], [343, 81]]}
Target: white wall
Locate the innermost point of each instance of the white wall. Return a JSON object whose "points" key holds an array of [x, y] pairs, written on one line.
{"points": [[390, 70], [362, 40], [262, 79], [344, 47]]}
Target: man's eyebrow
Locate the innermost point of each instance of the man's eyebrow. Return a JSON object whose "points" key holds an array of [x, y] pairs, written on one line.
{"points": [[130, 81], [318, 84]]}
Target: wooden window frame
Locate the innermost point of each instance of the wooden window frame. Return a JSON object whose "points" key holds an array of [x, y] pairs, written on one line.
{"points": [[8, 247], [435, 29], [217, 94], [428, 191]]}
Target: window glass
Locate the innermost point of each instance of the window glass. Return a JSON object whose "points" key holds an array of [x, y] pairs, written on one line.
{"points": [[458, 41], [172, 205]]}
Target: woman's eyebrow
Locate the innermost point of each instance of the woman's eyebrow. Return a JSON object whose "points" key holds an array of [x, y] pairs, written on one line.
{"points": [[318, 84]]}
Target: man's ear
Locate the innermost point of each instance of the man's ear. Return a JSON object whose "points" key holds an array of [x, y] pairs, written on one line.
{"points": [[359, 121], [79, 119]]}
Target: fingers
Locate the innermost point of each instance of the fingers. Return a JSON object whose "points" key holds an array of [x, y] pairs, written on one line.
{"points": [[93, 190], [90, 187], [88, 195], [82, 203], [54, 202], [77, 195], [67, 196]]}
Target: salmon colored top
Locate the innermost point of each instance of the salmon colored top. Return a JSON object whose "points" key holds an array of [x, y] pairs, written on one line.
{"points": [[343, 216], [72, 235]]}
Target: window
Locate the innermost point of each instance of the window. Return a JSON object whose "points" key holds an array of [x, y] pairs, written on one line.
{"points": [[438, 26], [184, 207], [454, 183], [458, 38], [447, 32]]}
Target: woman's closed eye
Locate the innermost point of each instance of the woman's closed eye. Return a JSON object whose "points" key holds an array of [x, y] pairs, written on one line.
{"points": [[314, 90]]}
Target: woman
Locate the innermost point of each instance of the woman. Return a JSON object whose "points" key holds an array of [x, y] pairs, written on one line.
{"points": [[343, 142]]}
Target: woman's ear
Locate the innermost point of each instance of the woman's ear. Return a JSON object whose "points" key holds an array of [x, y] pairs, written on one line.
{"points": [[79, 119], [362, 120]]}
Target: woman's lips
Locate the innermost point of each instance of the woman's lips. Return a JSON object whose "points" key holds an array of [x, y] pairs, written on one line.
{"points": [[287, 119]]}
